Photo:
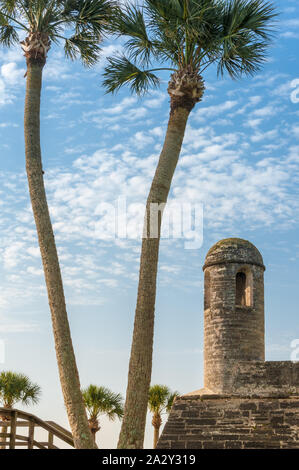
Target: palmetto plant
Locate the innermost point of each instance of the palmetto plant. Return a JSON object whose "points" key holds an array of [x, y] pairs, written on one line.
{"points": [[15, 388], [184, 37], [78, 27], [160, 400], [101, 401]]}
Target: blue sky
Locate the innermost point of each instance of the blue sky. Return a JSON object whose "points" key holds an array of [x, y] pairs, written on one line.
{"points": [[239, 159]]}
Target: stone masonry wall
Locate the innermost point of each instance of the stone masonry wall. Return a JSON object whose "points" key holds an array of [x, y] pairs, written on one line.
{"points": [[215, 422], [231, 333], [264, 378]]}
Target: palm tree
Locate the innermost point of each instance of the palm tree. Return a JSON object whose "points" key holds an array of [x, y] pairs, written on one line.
{"points": [[100, 400], [184, 37], [16, 388], [78, 25], [160, 399]]}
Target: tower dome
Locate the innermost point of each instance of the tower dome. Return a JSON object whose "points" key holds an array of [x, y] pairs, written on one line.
{"points": [[233, 310], [233, 250]]}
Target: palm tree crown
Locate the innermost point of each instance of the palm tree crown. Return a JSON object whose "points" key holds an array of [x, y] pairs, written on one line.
{"points": [[160, 399], [79, 24], [100, 400], [17, 388], [186, 37]]}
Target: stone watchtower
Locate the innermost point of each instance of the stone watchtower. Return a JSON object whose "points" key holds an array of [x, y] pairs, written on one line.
{"points": [[246, 402], [233, 310]]}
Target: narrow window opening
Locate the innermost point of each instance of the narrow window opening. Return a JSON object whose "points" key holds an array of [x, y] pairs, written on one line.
{"points": [[207, 291], [244, 288], [241, 289]]}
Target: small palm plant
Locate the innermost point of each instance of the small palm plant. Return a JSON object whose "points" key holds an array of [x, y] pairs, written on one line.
{"points": [[15, 388], [184, 37], [160, 400], [101, 401], [78, 27]]}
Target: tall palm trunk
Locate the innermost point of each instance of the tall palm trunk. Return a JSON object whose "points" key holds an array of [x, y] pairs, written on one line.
{"points": [[140, 367], [156, 436], [94, 427], [68, 372], [156, 422], [94, 433]]}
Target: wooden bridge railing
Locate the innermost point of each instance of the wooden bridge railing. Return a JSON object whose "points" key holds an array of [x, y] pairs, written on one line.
{"points": [[12, 420]]}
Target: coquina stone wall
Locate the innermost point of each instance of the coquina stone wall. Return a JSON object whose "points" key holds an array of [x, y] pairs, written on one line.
{"points": [[276, 378], [232, 332], [215, 422]]}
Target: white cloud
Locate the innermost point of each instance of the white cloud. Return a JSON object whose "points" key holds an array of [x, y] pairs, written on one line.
{"points": [[259, 136], [121, 106], [13, 54], [12, 75], [5, 96], [293, 22], [8, 124], [155, 100], [157, 132], [57, 67], [211, 111], [11, 254], [252, 123], [109, 50], [34, 271], [295, 130], [141, 140], [266, 111], [290, 34]]}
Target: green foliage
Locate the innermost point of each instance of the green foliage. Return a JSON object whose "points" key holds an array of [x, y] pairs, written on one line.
{"points": [[83, 45], [100, 400], [79, 24], [8, 34], [176, 34], [121, 70], [16, 388], [160, 399]]}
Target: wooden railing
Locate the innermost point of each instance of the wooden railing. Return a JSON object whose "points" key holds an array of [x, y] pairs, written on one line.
{"points": [[13, 420]]}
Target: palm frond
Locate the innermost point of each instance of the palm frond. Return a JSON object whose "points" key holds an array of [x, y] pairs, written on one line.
{"points": [[165, 11], [170, 401], [121, 71], [101, 400], [249, 15], [31, 394], [10, 7], [246, 33], [242, 59], [91, 17], [8, 33], [84, 47], [131, 22]]}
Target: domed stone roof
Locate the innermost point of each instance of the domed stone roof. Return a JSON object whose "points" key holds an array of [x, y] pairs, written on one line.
{"points": [[233, 250]]}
